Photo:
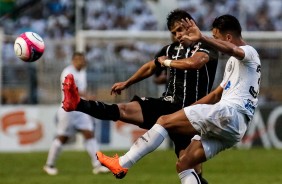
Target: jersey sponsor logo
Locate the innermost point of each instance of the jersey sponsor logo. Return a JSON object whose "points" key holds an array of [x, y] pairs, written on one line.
{"points": [[196, 48], [249, 106], [168, 99], [227, 86], [178, 55]]}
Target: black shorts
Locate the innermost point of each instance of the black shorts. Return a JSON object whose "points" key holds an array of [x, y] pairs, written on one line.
{"points": [[152, 109]]}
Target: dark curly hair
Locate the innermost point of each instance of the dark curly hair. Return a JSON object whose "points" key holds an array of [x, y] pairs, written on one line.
{"points": [[176, 16]]}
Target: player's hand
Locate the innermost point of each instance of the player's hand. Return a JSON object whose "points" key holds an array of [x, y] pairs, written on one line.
{"points": [[193, 33], [118, 87], [161, 60]]}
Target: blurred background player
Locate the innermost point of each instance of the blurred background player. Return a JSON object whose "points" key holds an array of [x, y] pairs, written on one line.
{"points": [[69, 123], [190, 78]]}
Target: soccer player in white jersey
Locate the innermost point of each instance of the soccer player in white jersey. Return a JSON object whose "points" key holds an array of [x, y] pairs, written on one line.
{"points": [[219, 120], [69, 123]]}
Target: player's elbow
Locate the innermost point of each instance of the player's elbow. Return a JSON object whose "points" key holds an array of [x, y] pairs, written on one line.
{"points": [[216, 96], [198, 66]]}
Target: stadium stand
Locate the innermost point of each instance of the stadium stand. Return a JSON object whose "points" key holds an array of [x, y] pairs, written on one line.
{"points": [[55, 21]]}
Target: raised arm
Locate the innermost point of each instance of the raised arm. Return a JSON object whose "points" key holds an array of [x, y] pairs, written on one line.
{"points": [[223, 45], [145, 71]]}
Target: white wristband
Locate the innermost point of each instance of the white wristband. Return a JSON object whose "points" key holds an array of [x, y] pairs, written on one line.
{"points": [[167, 62]]}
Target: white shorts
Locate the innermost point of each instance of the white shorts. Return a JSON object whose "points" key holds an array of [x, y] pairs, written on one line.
{"points": [[68, 123], [220, 125]]}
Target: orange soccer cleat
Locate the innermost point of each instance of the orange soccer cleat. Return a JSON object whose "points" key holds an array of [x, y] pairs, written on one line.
{"points": [[112, 163], [71, 96]]}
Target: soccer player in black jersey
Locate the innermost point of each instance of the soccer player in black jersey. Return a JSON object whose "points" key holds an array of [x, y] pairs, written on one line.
{"points": [[192, 68]]}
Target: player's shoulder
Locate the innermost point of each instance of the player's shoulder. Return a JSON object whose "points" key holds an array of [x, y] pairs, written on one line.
{"points": [[171, 45], [68, 68], [248, 48], [166, 49], [176, 43], [251, 53]]}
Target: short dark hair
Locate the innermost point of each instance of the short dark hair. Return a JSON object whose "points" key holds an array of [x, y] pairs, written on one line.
{"points": [[76, 53], [176, 16], [227, 23]]}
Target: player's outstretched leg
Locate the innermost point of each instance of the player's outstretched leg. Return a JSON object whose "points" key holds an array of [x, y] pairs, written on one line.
{"points": [[112, 163], [71, 96]]}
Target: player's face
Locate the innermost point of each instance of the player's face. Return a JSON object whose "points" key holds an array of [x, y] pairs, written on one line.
{"points": [[178, 32], [79, 62], [217, 35]]}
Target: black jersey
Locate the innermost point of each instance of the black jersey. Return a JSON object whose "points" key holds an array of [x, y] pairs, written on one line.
{"points": [[184, 87]]}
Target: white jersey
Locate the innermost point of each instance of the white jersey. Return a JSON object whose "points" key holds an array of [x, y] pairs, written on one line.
{"points": [[241, 81], [223, 124], [70, 122]]}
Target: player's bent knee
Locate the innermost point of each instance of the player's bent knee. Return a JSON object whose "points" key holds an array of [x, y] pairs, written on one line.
{"points": [[164, 121], [129, 110]]}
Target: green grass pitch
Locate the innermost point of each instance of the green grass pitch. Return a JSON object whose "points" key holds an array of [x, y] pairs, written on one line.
{"points": [[256, 166]]}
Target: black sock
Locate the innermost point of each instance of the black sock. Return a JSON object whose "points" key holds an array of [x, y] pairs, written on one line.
{"points": [[199, 174], [203, 180], [99, 110]]}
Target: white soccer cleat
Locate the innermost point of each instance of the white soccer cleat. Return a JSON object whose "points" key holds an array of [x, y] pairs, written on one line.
{"points": [[50, 170], [100, 170]]}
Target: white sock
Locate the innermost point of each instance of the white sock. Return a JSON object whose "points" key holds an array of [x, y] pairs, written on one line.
{"points": [[189, 177], [145, 144], [54, 152], [92, 146]]}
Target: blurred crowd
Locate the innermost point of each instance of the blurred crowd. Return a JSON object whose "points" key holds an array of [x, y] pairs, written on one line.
{"points": [[56, 20], [254, 15]]}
